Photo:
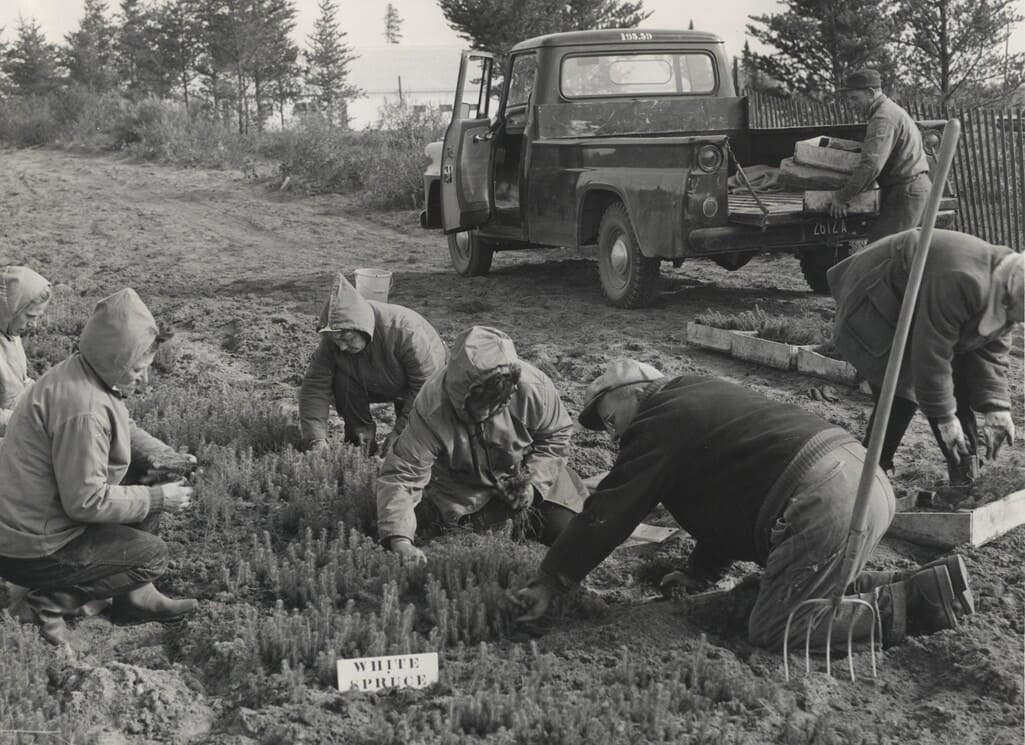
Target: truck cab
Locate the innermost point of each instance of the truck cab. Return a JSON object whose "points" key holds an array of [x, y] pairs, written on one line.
{"points": [[620, 140]]}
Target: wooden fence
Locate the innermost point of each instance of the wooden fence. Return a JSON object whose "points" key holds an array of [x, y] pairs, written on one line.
{"points": [[989, 168]]}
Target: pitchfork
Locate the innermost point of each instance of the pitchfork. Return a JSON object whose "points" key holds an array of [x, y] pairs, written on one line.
{"points": [[859, 517]]}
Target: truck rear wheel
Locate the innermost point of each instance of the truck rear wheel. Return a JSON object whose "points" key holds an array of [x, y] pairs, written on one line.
{"points": [[815, 262], [471, 254], [629, 279]]}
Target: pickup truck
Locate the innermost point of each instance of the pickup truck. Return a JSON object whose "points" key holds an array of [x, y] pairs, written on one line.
{"points": [[622, 142]]}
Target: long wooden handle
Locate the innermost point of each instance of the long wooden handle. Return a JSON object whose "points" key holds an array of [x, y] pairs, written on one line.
{"points": [[859, 518]]}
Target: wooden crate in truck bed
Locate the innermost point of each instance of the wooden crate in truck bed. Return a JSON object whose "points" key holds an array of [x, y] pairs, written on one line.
{"points": [[783, 207]]}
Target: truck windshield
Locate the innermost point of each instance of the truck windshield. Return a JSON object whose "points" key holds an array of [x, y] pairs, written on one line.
{"points": [[591, 75]]}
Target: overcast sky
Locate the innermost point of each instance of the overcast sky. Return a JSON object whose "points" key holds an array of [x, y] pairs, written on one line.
{"points": [[363, 20]]}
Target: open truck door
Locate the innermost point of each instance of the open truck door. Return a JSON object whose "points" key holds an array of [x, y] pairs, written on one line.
{"points": [[466, 154]]}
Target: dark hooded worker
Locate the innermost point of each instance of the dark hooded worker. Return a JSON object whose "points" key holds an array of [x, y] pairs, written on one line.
{"points": [[891, 154], [750, 479], [488, 439], [24, 295], [369, 352], [69, 532], [971, 297]]}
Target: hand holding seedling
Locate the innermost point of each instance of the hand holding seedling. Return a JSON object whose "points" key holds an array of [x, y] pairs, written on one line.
{"points": [[515, 488], [177, 496], [408, 552], [998, 427], [534, 600], [172, 466]]}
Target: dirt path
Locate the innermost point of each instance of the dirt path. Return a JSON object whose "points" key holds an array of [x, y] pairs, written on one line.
{"points": [[241, 270]]}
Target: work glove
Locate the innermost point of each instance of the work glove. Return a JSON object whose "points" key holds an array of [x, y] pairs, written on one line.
{"points": [[407, 551], [366, 437], [533, 600], [997, 426], [953, 438]]}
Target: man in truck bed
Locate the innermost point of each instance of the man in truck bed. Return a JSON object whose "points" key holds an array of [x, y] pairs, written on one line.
{"points": [[892, 154]]}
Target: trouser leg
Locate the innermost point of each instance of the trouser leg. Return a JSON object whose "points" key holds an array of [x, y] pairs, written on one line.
{"points": [[900, 208], [966, 417], [352, 402], [901, 413], [105, 561], [807, 552]]}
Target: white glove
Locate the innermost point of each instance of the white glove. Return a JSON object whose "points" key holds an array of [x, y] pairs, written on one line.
{"points": [[998, 427], [953, 437]]}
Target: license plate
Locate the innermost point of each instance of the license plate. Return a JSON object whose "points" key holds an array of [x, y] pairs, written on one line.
{"points": [[830, 227]]}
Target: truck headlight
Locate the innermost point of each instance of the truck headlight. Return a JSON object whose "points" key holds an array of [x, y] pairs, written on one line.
{"points": [[709, 158]]}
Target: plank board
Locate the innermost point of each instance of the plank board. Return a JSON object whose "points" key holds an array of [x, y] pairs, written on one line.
{"points": [[765, 352], [963, 527], [811, 362]]}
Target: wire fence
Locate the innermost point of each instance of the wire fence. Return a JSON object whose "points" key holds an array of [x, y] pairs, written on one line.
{"points": [[989, 168]]}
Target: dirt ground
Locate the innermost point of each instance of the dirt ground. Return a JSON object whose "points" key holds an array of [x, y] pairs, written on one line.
{"points": [[241, 270]]}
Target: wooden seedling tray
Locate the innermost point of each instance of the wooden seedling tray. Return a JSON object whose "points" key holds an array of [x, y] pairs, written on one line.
{"points": [[828, 152], [811, 362], [709, 337], [764, 352], [962, 527], [864, 203]]}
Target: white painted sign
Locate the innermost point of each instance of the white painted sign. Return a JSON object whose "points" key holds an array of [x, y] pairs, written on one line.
{"points": [[396, 671]]}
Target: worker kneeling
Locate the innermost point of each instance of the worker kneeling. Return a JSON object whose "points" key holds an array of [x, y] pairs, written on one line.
{"points": [[750, 479], [69, 532], [490, 436]]}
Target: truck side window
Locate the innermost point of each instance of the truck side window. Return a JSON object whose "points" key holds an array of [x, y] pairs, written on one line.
{"points": [[584, 76], [521, 80]]}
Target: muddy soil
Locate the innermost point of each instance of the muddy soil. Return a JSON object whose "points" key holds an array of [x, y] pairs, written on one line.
{"points": [[241, 270]]}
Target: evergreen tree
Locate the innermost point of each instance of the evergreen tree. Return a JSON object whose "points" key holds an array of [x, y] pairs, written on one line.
{"points": [[818, 42], [327, 61], [135, 50], [178, 44], [89, 55], [392, 25], [958, 48], [496, 25], [30, 62], [274, 67]]}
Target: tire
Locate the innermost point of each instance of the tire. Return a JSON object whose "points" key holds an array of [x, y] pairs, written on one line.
{"points": [[471, 255], [733, 262], [815, 262], [629, 279]]}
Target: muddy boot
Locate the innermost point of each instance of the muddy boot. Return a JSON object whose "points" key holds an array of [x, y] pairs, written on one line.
{"points": [[48, 610], [147, 604], [958, 579], [94, 607], [930, 601]]}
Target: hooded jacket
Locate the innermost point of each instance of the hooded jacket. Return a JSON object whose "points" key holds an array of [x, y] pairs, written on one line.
{"points": [[19, 287], [402, 352], [463, 460], [953, 299], [71, 440]]}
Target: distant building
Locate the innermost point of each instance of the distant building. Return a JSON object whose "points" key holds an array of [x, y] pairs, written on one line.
{"points": [[414, 73]]}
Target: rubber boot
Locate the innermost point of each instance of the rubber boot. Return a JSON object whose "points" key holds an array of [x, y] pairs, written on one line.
{"points": [[147, 604], [49, 609], [958, 572], [930, 601]]}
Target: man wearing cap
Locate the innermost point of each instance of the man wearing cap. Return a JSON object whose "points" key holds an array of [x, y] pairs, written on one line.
{"points": [[891, 154], [956, 361], [369, 352], [750, 479], [489, 438]]}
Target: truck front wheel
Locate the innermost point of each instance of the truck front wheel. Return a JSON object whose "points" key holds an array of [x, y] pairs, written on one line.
{"points": [[815, 262], [628, 277], [471, 254]]}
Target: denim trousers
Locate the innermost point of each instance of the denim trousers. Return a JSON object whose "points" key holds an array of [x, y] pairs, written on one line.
{"points": [[900, 207], [806, 551], [103, 562]]}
